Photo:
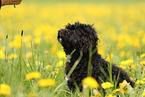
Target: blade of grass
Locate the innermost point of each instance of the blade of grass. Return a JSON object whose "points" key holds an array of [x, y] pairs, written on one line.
{"points": [[89, 63], [75, 64]]}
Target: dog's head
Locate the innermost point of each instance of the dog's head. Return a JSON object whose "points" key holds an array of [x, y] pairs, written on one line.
{"points": [[77, 36]]}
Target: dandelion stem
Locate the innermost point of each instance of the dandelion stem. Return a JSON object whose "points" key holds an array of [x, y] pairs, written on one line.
{"points": [[89, 63], [110, 68]]}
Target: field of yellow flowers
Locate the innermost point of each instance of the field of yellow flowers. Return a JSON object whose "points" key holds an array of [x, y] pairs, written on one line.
{"points": [[32, 62]]}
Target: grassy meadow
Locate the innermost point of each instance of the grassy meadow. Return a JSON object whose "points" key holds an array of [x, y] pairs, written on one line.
{"points": [[32, 62]]}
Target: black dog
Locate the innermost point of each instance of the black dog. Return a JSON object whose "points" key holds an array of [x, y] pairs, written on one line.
{"points": [[80, 37]]}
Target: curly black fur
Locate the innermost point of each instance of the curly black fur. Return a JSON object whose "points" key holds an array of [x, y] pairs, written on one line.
{"points": [[79, 37]]}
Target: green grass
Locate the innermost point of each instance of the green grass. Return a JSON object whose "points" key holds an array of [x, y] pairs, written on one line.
{"points": [[13, 72], [122, 26]]}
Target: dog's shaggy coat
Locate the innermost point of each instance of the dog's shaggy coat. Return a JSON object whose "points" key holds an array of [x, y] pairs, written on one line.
{"points": [[80, 37]]}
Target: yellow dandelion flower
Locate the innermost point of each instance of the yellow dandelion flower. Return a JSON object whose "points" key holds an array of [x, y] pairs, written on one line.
{"points": [[122, 66], [33, 75], [17, 44], [46, 82], [132, 66], [27, 38], [5, 90], [11, 44], [101, 51], [56, 71], [37, 40], [59, 63], [28, 65], [97, 94], [29, 55], [124, 86], [143, 79], [18, 37], [48, 67], [110, 95], [123, 63], [116, 90], [2, 55], [12, 56], [143, 94], [17, 41], [142, 63], [41, 64], [61, 54], [129, 62], [109, 58], [139, 82], [106, 85], [142, 55], [90, 82], [124, 90]]}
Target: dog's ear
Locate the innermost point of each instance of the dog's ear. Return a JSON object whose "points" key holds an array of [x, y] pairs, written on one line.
{"points": [[91, 38]]}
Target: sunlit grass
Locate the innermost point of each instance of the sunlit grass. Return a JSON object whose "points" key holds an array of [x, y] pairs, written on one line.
{"points": [[120, 28]]}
